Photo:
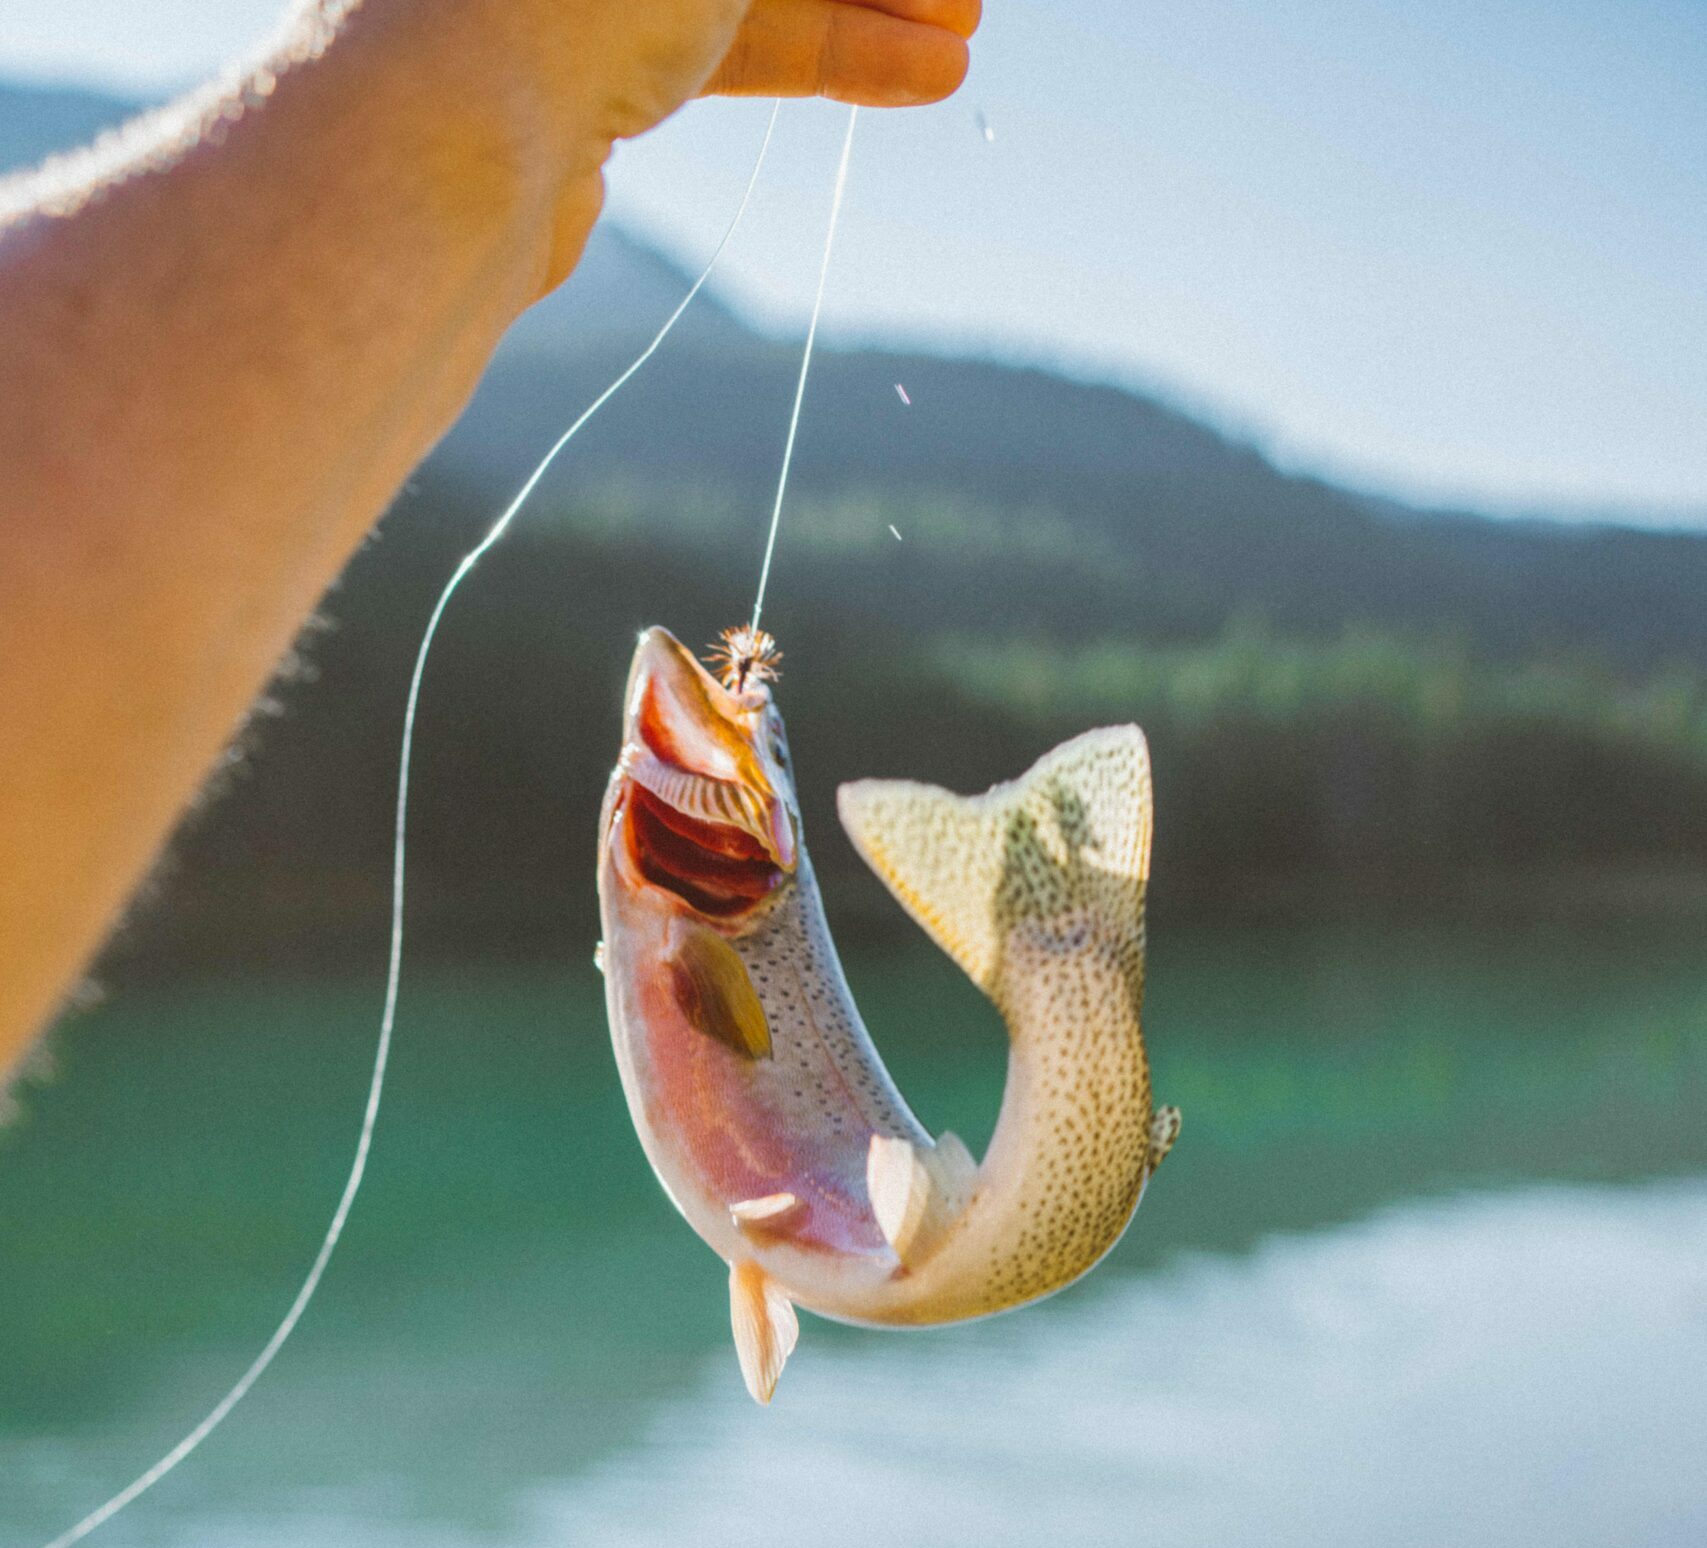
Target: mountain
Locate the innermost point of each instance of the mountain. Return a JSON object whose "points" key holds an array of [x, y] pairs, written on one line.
{"points": [[1180, 526], [1347, 699], [36, 121], [1164, 524]]}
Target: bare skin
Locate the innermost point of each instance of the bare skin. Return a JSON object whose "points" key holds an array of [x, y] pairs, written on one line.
{"points": [[230, 338]]}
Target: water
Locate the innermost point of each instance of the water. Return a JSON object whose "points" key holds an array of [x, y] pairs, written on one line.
{"points": [[1429, 1265]]}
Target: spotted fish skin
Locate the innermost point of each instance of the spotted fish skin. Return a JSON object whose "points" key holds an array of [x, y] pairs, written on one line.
{"points": [[754, 1086]]}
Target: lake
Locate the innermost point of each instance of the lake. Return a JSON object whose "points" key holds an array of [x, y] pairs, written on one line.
{"points": [[1428, 1266]]}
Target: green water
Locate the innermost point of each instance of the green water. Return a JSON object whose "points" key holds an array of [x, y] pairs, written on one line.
{"points": [[1397, 1145]]}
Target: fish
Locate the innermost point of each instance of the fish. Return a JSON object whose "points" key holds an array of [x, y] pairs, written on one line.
{"points": [[756, 1091]]}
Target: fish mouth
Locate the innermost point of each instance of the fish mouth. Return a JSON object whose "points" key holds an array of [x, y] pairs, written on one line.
{"points": [[705, 817]]}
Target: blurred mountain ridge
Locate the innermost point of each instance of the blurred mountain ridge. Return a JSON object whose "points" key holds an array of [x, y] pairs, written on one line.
{"points": [[1347, 698], [1204, 523]]}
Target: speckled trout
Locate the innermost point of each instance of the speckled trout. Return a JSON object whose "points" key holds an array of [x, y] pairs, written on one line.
{"points": [[756, 1091]]}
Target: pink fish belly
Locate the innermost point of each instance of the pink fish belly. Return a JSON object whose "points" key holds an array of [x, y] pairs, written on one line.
{"points": [[742, 1128]]}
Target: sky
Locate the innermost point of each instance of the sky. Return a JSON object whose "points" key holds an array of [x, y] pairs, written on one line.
{"points": [[1455, 253]]}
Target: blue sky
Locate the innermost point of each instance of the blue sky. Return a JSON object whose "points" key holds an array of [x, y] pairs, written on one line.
{"points": [[1454, 251]]}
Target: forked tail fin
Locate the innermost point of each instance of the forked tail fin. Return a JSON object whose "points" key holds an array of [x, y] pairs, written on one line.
{"points": [[1036, 889], [1069, 838]]}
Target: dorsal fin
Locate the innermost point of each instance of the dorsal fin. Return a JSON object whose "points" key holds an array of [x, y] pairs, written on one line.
{"points": [[917, 1193], [1053, 841]]}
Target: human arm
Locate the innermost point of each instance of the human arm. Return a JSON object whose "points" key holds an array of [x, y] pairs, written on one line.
{"points": [[230, 338]]}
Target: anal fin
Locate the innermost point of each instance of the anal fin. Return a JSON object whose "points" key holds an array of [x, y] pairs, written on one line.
{"points": [[917, 1193], [765, 1326]]}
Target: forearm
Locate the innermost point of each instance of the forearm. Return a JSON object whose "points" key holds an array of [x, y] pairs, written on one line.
{"points": [[221, 353], [220, 362]]}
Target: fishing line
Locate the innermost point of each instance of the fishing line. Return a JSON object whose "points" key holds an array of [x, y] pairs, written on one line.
{"points": [[805, 364], [394, 969]]}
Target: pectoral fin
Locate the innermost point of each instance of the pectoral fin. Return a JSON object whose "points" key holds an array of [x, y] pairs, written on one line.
{"points": [[1069, 836], [716, 995], [765, 1327], [917, 1193]]}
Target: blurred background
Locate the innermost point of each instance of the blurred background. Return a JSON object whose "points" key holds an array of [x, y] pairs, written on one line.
{"points": [[1323, 387]]}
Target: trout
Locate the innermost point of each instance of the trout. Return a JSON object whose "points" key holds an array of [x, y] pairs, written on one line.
{"points": [[754, 1087]]}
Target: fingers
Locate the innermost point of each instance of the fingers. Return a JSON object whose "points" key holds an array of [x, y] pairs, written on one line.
{"points": [[961, 17], [878, 53]]}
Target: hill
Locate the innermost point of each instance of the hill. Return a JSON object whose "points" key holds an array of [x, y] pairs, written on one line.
{"points": [[1347, 699], [37, 121]]}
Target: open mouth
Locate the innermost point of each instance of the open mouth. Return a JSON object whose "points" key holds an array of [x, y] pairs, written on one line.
{"points": [[705, 819], [713, 867]]}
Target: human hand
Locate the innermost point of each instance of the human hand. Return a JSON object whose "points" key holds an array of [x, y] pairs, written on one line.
{"points": [[599, 71], [878, 53], [643, 61]]}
